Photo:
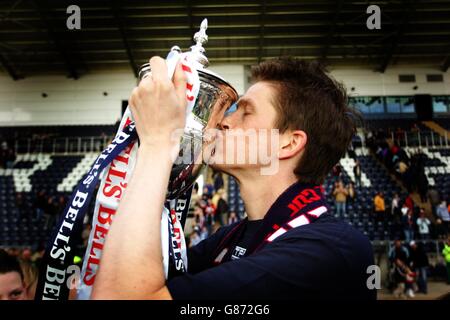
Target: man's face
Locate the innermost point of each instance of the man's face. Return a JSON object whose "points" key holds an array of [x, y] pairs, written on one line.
{"points": [[254, 111], [11, 286]]}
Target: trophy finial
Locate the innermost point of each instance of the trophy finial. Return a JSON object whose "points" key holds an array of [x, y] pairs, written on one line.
{"points": [[200, 38]]}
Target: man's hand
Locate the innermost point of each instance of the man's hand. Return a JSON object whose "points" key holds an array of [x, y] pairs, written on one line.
{"points": [[158, 106]]}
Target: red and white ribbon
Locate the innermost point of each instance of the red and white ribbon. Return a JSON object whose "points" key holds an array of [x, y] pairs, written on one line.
{"points": [[114, 182]]}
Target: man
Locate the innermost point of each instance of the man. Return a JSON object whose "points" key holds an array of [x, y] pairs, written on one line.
{"points": [[395, 207], [408, 226], [11, 278], [290, 246], [443, 213], [357, 173], [221, 206], [379, 206], [435, 199], [409, 202], [419, 262], [340, 194], [423, 225], [398, 257], [446, 254]]}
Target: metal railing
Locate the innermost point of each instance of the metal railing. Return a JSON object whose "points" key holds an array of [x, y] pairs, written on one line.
{"points": [[432, 247], [63, 145], [420, 139]]}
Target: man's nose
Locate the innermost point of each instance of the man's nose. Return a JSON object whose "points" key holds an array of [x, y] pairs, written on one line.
{"points": [[225, 123]]}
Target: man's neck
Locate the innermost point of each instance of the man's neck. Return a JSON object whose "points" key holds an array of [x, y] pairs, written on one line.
{"points": [[259, 192]]}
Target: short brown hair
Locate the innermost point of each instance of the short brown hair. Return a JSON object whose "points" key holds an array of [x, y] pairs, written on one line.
{"points": [[309, 99]]}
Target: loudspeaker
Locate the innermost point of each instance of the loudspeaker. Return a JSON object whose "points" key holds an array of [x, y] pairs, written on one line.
{"points": [[423, 105]]}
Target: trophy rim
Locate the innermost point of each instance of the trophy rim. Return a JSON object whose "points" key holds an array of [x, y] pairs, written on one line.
{"points": [[145, 68], [208, 73]]}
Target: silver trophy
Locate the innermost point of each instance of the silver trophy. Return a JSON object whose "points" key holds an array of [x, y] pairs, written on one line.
{"points": [[215, 97]]}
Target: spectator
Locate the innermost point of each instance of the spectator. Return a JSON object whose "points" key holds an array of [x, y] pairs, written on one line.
{"points": [[51, 213], [395, 207], [404, 209], [25, 255], [37, 256], [351, 151], [408, 226], [336, 172], [357, 173], [195, 197], [410, 277], [11, 278], [60, 205], [206, 194], [446, 254], [340, 194], [204, 233], [440, 231], [351, 193], [402, 168], [422, 187], [423, 224], [399, 259], [419, 263], [379, 206], [215, 198], [233, 218], [199, 217], [40, 204], [195, 237], [209, 212], [218, 180], [409, 202], [443, 213], [221, 206], [399, 134], [435, 200]]}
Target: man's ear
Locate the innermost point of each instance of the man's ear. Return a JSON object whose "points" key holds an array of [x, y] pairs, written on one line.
{"points": [[292, 143]]}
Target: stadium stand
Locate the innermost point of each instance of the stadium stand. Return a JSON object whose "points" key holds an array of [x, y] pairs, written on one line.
{"points": [[54, 175], [58, 174]]}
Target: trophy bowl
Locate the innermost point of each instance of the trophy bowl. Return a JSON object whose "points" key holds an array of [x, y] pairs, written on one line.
{"points": [[215, 97]]}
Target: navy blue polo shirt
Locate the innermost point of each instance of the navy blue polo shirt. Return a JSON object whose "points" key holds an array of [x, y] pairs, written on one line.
{"points": [[327, 259]]}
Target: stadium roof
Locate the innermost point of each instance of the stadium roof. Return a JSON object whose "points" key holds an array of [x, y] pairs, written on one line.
{"points": [[34, 39]]}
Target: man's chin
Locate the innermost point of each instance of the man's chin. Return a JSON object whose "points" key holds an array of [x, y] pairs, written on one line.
{"points": [[228, 169], [217, 167]]}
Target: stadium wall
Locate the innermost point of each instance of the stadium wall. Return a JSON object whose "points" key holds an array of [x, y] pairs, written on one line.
{"points": [[83, 101]]}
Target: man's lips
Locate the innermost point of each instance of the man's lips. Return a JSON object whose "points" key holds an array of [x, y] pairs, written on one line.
{"points": [[211, 139]]}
